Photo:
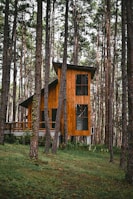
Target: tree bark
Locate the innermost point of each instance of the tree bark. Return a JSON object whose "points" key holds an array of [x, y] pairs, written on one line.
{"points": [[62, 84], [7, 58], [76, 34], [5, 72], [129, 14], [108, 100], [123, 158], [15, 68], [36, 99], [47, 68]]}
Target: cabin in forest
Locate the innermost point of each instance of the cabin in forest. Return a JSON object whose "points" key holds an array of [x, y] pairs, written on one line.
{"points": [[78, 79]]}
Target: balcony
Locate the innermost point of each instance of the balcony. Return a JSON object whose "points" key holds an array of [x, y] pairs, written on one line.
{"points": [[19, 128]]}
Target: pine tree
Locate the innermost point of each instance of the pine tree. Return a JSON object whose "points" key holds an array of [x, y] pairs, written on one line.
{"points": [[47, 69], [37, 96], [123, 158], [129, 14], [62, 84]]}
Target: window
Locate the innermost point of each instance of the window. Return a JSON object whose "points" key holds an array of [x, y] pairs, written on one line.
{"points": [[81, 84], [82, 117], [42, 125], [53, 117]]}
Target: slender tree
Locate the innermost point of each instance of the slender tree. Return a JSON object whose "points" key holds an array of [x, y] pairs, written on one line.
{"points": [[7, 58], [123, 158], [47, 69], [108, 99], [114, 64], [76, 34], [36, 99], [5, 73], [53, 31], [62, 84], [15, 68], [129, 14]]}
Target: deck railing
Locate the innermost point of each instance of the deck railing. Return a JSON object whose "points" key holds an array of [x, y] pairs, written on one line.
{"points": [[23, 126]]}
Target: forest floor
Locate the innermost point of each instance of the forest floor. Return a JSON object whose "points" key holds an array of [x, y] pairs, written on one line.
{"points": [[70, 174]]}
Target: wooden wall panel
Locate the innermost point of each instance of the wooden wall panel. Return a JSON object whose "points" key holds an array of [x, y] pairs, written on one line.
{"points": [[72, 101], [29, 115]]}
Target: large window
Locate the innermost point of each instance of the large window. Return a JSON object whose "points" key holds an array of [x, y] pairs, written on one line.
{"points": [[82, 84], [82, 117]]}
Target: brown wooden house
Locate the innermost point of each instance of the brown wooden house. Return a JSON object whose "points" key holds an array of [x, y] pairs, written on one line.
{"points": [[78, 81]]}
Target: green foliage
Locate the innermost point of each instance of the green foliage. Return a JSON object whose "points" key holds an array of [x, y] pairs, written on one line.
{"points": [[69, 174], [24, 140], [85, 147], [10, 138]]}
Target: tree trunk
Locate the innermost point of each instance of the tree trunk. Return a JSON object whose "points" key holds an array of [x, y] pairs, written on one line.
{"points": [[129, 14], [62, 84], [53, 32], [47, 68], [109, 97], [15, 68], [123, 158], [106, 94], [114, 75], [5, 72], [36, 99], [7, 58], [76, 34]]}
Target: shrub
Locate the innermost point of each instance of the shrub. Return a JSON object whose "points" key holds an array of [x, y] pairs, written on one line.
{"points": [[10, 138]]}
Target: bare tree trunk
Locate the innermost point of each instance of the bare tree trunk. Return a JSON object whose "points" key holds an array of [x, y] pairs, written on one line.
{"points": [[47, 69], [53, 32], [102, 93], [14, 84], [36, 99], [7, 58], [106, 93], [21, 89], [76, 34], [62, 84], [5, 73], [15, 68], [114, 116], [123, 159], [75, 42], [109, 97], [65, 113], [129, 14]]}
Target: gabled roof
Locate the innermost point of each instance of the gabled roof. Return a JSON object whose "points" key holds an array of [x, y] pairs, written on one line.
{"points": [[28, 100], [75, 67]]}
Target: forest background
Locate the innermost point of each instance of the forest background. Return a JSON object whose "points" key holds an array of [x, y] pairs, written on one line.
{"points": [[99, 35]]}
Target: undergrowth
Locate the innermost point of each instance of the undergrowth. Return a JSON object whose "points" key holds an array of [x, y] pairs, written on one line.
{"points": [[71, 173]]}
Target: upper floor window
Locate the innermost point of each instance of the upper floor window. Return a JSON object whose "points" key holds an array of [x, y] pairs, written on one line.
{"points": [[82, 84], [82, 117]]}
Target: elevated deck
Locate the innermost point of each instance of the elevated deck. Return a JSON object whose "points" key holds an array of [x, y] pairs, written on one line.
{"points": [[21, 128]]}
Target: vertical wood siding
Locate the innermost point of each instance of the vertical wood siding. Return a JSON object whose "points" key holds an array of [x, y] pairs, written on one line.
{"points": [[72, 101]]}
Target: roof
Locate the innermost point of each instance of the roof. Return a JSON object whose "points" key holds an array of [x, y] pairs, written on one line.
{"points": [[26, 102], [54, 82], [76, 67]]}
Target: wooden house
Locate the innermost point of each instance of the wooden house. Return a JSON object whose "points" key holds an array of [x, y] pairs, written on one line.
{"points": [[78, 80]]}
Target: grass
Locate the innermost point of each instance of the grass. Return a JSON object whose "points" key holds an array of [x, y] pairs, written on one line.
{"points": [[71, 174]]}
